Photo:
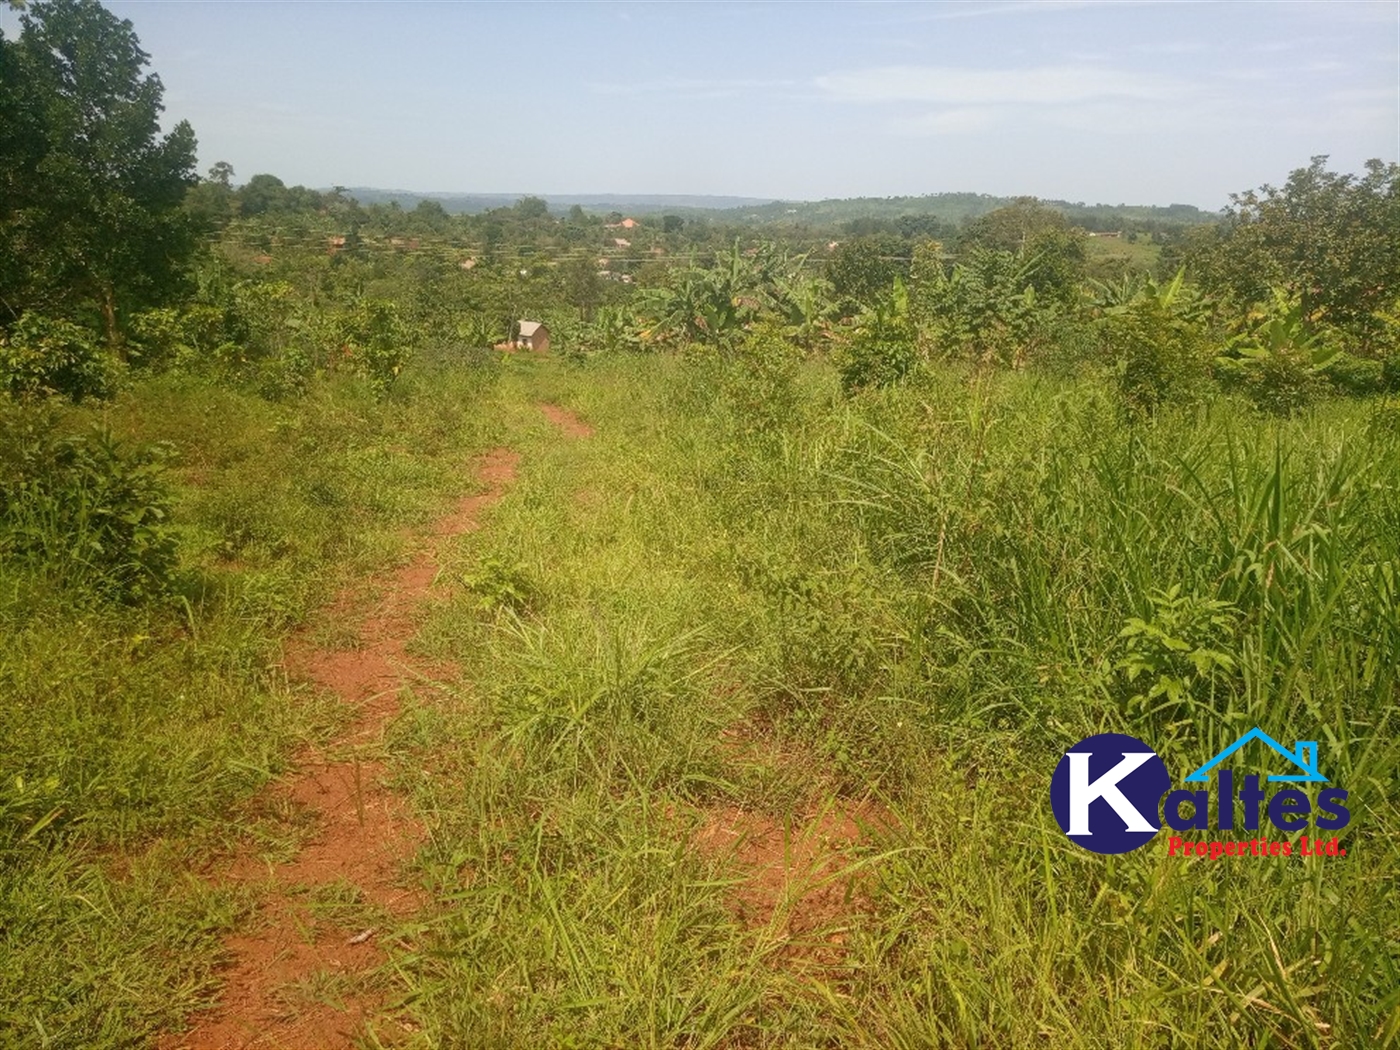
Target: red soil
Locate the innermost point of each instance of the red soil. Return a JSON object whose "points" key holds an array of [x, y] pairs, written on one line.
{"points": [[566, 421], [298, 980], [797, 882]]}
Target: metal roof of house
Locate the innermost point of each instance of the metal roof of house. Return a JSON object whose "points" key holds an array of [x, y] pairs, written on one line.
{"points": [[529, 328]]}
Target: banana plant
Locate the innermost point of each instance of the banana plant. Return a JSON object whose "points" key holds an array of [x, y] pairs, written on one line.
{"points": [[1284, 330], [1278, 358]]}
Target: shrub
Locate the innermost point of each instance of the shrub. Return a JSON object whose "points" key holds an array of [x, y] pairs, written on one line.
{"points": [[43, 356], [1158, 347], [759, 380], [882, 349], [84, 509], [168, 338], [1357, 376], [1174, 664], [377, 342], [987, 310], [1279, 361]]}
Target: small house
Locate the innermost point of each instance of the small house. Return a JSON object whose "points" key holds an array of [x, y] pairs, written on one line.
{"points": [[533, 336]]}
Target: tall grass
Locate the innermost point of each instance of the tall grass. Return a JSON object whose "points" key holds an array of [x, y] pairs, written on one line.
{"points": [[925, 594], [782, 605]]}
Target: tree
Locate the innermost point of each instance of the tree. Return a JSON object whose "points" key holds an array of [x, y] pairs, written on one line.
{"points": [[532, 208], [211, 201], [1031, 231], [583, 285], [862, 271], [263, 193], [431, 215], [1326, 239], [91, 215]]}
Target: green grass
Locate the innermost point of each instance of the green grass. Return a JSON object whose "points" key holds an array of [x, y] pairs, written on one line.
{"points": [[132, 734], [920, 595], [1106, 256], [916, 597]]}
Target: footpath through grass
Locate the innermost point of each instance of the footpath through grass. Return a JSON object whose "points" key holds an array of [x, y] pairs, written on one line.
{"points": [[131, 731], [760, 693]]}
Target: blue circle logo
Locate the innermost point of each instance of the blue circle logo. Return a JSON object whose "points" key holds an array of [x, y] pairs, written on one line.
{"points": [[1106, 793]]}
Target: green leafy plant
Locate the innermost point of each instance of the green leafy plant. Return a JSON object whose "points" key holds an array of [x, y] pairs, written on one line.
{"points": [[84, 509], [1279, 358], [1182, 651], [758, 379], [503, 585], [1157, 345], [881, 349], [43, 356], [986, 309], [376, 342]]}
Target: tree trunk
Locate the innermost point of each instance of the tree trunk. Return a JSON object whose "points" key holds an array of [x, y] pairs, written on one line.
{"points": [[109, 316]]}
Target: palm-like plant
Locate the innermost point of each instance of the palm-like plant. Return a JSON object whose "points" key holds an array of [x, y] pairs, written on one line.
{"points": [[1280, 354]]}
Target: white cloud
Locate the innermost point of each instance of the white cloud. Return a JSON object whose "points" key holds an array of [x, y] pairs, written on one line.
{"points": [[1046, 85], [695, 88], [945, 122]]}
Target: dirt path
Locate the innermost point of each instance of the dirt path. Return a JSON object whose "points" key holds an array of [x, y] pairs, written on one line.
{"points": [[304, 978], [566, 421]]}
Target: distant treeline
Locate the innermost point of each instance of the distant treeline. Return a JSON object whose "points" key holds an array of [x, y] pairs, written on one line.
{"points": [[859, 215], [957, 208]]}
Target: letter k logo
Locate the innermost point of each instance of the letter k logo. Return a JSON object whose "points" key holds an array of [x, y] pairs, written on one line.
{"points": [[1106, 792], [1082, 791]]}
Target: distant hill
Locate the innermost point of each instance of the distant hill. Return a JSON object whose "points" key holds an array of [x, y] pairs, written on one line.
{"points": [[951, 208], [475, 203], [955, 208]]}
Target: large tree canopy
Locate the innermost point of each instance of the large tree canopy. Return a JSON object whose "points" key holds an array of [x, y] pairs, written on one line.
{"points": [[1326, 238], [90, 190]]}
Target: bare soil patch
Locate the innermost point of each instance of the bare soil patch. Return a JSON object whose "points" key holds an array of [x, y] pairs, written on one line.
{"points": [[304, 978], [801, 881], [566, 421]]}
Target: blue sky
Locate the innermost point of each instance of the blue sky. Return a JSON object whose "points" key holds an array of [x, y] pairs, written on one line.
{"points": [[1100, 102]]}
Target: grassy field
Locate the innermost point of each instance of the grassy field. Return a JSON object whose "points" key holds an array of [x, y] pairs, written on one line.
{"points": [[759, 698], [131, 732], [903, 608]]}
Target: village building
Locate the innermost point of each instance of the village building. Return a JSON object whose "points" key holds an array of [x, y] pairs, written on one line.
{"points": [[534, 335]]}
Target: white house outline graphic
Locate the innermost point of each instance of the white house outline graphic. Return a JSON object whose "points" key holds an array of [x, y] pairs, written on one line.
{"points": [[1304, 756]]}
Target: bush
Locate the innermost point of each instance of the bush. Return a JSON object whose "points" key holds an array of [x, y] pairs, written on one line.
{"points": [[1280, 360], [43, 356], [1157, 357], [1390, 374], [882, 349], [83, 509], [759, 380], [1357, 376], [186, 338], [1158, 348], [377, 342]]}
